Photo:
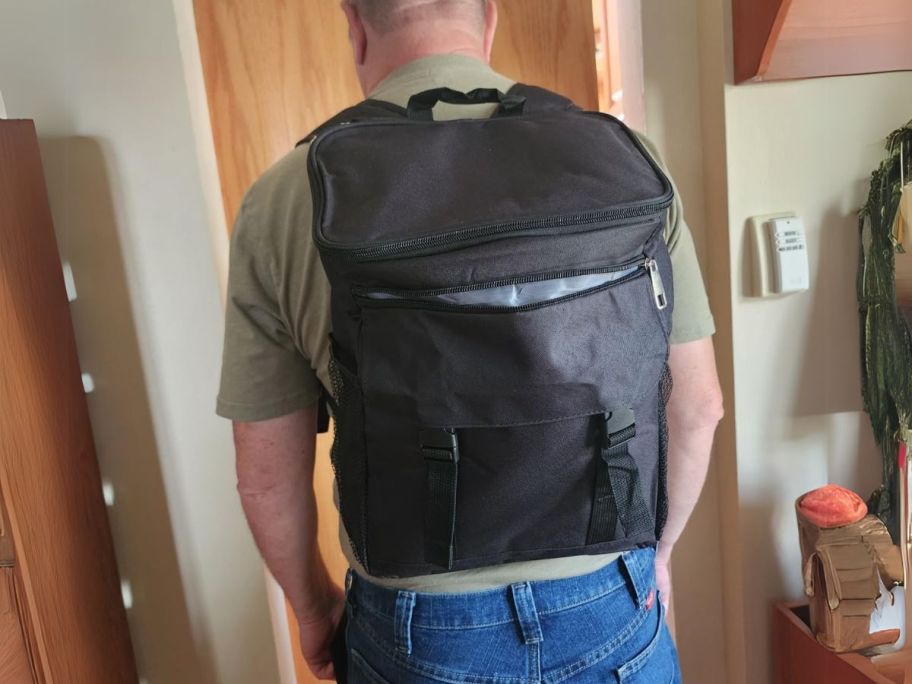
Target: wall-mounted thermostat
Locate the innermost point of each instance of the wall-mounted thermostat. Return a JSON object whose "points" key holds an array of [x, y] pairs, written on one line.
{"points": [[780, 255], [789, 254]]}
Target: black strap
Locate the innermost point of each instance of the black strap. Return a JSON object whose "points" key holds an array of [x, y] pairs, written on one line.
{"points": [[440, 450], [367, 109], [617, 498], [534, 100], [421, 105], [540, 100], [325, 409]]}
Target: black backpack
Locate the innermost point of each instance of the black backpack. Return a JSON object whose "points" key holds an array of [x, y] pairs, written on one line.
{"points": [[501, 304]]}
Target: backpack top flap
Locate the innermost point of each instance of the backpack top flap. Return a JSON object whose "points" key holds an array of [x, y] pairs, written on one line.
{"points": [[474, 179]]}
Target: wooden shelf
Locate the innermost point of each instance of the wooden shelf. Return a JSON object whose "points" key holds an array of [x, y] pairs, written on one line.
{"points": [[799, 659], [785, 39]]}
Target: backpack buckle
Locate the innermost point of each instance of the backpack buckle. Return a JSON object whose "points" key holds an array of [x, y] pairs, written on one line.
{"points": [[619, 427], [439, 444]]}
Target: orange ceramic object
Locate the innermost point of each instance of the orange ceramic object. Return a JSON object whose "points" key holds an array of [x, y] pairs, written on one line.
{"points": [[832, 506]]}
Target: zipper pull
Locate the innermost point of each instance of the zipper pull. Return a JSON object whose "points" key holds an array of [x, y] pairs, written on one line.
{"points": [[658, 287]]}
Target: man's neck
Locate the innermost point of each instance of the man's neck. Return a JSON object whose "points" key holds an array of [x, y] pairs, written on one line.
{"points": [[398, 50]]}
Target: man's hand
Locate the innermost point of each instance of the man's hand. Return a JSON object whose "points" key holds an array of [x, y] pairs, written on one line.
{"points": [[317, 632], [694, 409], [275, 461]]}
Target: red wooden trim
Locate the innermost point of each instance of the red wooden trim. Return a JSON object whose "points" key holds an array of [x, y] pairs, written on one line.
{"points": [[799, 659], [753, 24]]}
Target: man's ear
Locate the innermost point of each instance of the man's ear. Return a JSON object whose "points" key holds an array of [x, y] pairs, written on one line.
{"points": [[356, 33], [490, 27]]}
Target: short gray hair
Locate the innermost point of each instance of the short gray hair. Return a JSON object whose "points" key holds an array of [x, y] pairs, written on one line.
{"points": [[389, 15]]}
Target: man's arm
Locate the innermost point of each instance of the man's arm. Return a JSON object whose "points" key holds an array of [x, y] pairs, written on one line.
{"points": [[275, 464], [694, 410]]}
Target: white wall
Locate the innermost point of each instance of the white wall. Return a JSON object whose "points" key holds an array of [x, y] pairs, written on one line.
{"points": [[789, 366], [807, 146], [105, 84]]}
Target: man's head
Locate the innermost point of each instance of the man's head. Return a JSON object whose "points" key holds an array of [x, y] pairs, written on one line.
{"points": [[386, 34]]}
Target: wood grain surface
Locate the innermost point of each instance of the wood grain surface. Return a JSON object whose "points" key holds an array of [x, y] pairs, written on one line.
{"points": [[275, 69], [7, 548], [786, 39], [799, 659], [755, 27], [48, 472], [549, 43], [836, 37], [15, 665]]}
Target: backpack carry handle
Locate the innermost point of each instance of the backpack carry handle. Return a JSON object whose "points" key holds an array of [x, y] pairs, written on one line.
{"points": [[421, 105]]}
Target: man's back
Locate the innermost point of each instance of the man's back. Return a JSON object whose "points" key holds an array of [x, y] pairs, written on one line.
{"points": [[278, 210]]}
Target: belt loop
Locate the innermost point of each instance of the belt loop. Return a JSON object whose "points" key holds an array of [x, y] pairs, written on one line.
{"points": [[632, 562], [526, 613], [405, 605]]}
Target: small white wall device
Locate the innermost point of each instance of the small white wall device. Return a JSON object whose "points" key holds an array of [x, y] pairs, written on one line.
{"points": [[789, 260], [780, 253]]}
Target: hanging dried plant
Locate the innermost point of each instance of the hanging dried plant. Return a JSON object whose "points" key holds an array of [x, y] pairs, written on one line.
{"points": [[886, 347]]}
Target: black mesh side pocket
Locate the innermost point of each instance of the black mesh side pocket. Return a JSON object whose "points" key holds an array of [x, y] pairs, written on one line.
{"points": [[348, 455], [665, 385]]}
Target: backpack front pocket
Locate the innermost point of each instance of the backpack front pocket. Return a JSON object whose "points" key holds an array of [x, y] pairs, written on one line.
{"points": [[482, 408], [530, 349]]}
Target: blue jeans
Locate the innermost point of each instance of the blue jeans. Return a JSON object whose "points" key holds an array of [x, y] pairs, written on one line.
{"points": [[599, 627]]}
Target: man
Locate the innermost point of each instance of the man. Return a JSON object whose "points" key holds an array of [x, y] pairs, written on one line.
{"points": [[592, 614]]}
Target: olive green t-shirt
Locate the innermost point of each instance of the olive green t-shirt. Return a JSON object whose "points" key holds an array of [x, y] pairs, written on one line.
{"points": [[277, 322]]}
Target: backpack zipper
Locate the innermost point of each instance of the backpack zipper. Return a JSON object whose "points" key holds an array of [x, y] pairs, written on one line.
{"points": [[411, 299], [658, 287], [362, 291], [467, 237]]}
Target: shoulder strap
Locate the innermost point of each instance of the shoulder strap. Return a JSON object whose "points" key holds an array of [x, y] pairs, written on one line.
{"points": [[540, 99], [367, 109], [536, 100]]}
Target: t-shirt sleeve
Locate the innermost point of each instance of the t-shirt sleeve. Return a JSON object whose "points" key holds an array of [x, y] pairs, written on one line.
{"points": [[691, 317], [264, 374]]}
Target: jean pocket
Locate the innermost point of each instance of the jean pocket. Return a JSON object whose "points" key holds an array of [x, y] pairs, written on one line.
{"points": [[655, 664], [359, 672]]}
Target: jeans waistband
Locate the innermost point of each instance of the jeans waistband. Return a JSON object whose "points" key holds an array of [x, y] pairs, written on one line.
{"points": [[632, 571]]}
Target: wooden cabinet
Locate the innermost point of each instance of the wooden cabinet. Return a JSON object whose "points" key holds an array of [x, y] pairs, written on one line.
{"points": [[62, 619]]}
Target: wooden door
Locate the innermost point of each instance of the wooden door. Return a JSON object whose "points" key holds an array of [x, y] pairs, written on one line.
{"points": [[49, 479], [274, 70], [549, 43]]}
